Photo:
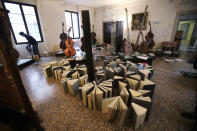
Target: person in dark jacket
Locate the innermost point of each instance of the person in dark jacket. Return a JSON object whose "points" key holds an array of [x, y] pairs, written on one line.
{"points": [[31, 42]]}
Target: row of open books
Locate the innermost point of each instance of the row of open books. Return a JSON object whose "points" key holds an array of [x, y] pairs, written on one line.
{"points": [[129, 105], [62, 69], [122, 97]]}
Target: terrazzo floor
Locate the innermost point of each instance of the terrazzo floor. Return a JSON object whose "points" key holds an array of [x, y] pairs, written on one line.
{"points": [[61, 112]]}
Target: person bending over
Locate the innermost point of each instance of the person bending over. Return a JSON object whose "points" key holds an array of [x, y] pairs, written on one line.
{"points": [[31, 42]]}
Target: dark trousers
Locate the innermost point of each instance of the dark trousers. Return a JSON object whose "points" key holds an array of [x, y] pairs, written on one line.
{"points": [[35, 50]]}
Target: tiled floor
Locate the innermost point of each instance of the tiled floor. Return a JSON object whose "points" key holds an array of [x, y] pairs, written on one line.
{"points": [[61, 112]]}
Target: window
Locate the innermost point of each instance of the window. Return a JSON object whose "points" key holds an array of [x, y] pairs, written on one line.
{"points": [[23, 18], [72, 20]]}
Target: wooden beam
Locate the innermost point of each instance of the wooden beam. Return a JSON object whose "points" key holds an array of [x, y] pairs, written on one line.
{"points": [[9, 63], [88, 45]]}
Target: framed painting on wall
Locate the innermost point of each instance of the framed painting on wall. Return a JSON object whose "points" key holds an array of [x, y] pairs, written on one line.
{"points": [[137, 20]]}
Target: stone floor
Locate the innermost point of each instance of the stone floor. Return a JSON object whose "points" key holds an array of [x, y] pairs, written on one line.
{"points": [[61, 112]]}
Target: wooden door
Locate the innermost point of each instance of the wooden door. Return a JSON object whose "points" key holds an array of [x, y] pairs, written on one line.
{"points": [[107, 27], [119, 36]]}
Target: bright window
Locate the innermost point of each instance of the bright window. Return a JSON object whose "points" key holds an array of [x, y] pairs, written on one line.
{"points": [[23, 18], [72, 20]]}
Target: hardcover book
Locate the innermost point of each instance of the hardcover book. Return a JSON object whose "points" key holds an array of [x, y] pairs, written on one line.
{"points": [[106, 102], [73, 86], [117, 112], [133, 83], [54, 68], [104, 90], [67, 68], [138, 114], [83, 80], [135, 93], [121, 85], [109, 73], [124, 95], [147, 85], [90, 100], [65, 74], [116, 80], [145, 73], [53, 63], [64, 84], [97, 98], [109, 90], [59, 74], [144, 102], [47, 71], [75, 75], [86, 90], [83, 70], [145, 93]]}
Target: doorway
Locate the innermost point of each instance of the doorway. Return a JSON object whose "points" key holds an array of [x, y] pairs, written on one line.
{"points": [[187, 24], [107, 28], [113, 34]]}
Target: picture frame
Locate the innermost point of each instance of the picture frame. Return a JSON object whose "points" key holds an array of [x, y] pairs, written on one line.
{"points": [[137, 20]]}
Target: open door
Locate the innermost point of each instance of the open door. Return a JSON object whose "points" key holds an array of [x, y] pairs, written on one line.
{"points": [[187, 24], [107, 29], [113, 34]]}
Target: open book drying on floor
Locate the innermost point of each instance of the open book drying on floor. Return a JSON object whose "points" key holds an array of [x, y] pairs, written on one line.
{"points": [[86, 90], [135, 93], [144, 102], [47, 71], [64, 84], [109, 90], [138, 114], [133, 83], [116, 79], [83, 69], [147, 85], [106, 102], [145, 92], [121, 85], [54, 71], [75, 75], [67, 68], [109, 73], [97, 98], [53, 63], [117, 111], [83, 80], [135, 77], [105, 91], [73, 86], [145, 73], [59, 74], [124, 95]]}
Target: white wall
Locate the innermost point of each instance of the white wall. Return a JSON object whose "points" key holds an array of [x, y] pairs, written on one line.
{"points": [[22, 48], [162, 14], [78, 8], [51, 15]]}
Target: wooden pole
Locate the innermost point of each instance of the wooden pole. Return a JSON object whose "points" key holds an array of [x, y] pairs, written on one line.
{"points": [[88, 45], [9, 61]]}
